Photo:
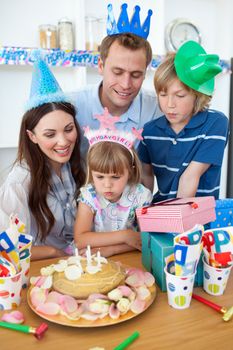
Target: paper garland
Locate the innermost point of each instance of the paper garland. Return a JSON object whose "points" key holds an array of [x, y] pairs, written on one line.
{"points": [[79, 58]]}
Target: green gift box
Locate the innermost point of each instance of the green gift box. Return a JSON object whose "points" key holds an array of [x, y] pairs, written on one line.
{"points": [[155, 248], [146, 251]]}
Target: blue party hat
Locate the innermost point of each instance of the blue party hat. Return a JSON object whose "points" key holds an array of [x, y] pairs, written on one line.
{"points": [[44, 86], [123, 20], [123, 24]]}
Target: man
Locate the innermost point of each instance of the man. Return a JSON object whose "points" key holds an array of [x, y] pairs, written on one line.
{"points": [[124, 58]]}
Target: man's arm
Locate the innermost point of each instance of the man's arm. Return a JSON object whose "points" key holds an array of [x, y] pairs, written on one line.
{"points": [[189, 180], [148, 176]]}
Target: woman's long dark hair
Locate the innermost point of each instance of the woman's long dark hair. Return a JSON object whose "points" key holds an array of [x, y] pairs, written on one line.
{"points": [[38, 164]]}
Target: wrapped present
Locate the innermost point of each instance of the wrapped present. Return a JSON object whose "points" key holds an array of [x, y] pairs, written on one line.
{"points": [[161, 247], [146, 252], [224, 213], [176, 215], [155, 248]]}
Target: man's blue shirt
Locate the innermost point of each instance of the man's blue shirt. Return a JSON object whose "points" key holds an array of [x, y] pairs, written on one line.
{"points": [[143, 109]]}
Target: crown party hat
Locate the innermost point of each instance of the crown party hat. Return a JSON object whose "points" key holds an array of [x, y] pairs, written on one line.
{"points": [[123, 24], [44, 86], [108, 132]]}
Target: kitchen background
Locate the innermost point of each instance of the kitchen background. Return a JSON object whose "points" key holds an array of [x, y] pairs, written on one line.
{"points": [[19, 27]]}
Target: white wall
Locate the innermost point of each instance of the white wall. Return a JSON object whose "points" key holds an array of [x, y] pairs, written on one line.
{"points": [[19, 22]]}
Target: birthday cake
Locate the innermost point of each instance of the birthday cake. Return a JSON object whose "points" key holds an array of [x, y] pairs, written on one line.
{"points": [[80, 282], [90, 288]]}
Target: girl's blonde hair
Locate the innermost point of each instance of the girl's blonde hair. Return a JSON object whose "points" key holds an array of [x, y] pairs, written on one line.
{"points": [[110, 157], [166, 73]]}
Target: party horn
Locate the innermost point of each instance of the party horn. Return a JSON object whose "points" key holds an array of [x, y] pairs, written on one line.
{"points": [[227, 313], [38, 332], [127, 341]]}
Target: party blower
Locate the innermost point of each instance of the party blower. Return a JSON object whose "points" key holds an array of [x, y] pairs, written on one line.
{"points": [[38, 332], [227, 313]]}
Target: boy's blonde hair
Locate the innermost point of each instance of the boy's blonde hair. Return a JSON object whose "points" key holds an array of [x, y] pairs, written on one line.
{"points": [[110, 157], [166, 73]]}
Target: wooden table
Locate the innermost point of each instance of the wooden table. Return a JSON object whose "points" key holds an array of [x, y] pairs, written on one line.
{"points": [[160, 326]]}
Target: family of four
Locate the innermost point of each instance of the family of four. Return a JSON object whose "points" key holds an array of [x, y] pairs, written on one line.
{"points": [[78, 177]]}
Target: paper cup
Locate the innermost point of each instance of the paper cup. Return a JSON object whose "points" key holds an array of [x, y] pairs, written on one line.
{"points": [[10, 291], [179, 290], [25, 243], [215, 278], [25, 265], [186, 258]]}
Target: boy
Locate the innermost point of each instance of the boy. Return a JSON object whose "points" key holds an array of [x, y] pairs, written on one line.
{"points": [[184, 148]]}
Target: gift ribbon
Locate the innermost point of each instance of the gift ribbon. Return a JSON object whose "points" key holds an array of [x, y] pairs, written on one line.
{"points": [[193, 205]]}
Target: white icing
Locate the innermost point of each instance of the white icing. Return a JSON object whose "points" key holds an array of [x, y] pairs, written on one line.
{"points": [[74, 260], [73, 268], [102, 260], [72, 272], [60, 267], [91, 269], [47, 271]]}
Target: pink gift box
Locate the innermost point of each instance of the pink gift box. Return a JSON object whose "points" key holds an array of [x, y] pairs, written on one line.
{"points": [[176, 215]]}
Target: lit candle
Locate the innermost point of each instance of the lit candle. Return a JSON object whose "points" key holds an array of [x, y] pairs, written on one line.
{"points": [[98, 259], [88, 255], [76, 252]]}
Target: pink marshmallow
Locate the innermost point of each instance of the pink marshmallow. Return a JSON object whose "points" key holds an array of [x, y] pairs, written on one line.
{"points": [[13, 317]]}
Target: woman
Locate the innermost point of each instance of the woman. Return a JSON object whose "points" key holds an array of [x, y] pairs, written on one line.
{"points": [[48, 172]]}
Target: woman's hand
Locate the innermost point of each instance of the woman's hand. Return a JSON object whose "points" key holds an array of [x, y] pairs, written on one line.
{"points": [[46, 252]]}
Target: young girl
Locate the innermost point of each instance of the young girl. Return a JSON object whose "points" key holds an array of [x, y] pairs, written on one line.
{"points": [[108, 202], [184, 148]]}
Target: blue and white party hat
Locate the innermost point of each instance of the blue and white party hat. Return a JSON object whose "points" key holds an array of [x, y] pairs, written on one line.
{"points": [[123, 25], [44, 86]]}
